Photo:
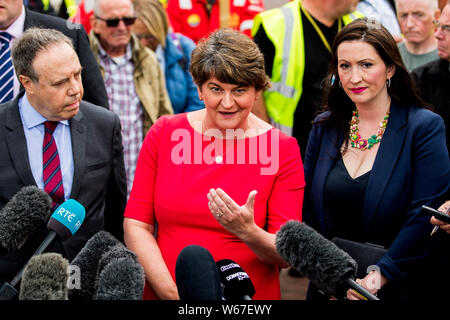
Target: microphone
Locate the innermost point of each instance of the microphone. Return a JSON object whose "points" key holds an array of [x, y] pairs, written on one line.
{"points": [[65, 221], [24, 214], [328, 267], [196, 275], [235, 281], [120, 276], [87, 260], [45, 278]]}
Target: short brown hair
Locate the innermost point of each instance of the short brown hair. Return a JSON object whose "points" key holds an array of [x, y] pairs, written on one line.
{"points": [[231, 57]]}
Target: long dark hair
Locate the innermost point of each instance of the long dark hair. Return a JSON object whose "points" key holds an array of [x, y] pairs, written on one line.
{"points": [[402, 87]]}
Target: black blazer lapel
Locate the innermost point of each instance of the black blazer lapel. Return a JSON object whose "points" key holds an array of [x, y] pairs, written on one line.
{"points": [[385, 161], [78, 132], [17, 143]]}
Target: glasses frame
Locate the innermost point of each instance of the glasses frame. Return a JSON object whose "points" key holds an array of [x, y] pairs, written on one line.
{"points": [[114, 22], [147, 37]]}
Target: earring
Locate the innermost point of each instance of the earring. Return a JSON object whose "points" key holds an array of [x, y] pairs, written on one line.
{"points": [[340, 83], [388, 82]]}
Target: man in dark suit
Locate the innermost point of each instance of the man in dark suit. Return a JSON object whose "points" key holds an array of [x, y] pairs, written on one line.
{"points": [[89, 151], [15, 19]]}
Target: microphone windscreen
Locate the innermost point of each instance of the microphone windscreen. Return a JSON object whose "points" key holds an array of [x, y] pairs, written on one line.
{"points": [[196, 275], [317, 258], [87, 261], [236, 282], [45, 278], [119, 276], [67, 218], [24, 214]]}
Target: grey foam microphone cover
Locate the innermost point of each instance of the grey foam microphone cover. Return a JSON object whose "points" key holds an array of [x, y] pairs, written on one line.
{"points": [[317, 258], [45, 278], [87, 260], [25, 213], [120, 276]]}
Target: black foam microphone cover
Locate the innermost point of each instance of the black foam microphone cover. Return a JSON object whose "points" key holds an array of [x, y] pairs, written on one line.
{"points": [[319, 259], [119, 275], [87, 261], [45, 278], [196, 275], [24, 214], [236, 282]]}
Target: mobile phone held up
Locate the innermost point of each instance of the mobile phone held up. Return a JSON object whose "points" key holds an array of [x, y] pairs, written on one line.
{"points": [[437, 214]]}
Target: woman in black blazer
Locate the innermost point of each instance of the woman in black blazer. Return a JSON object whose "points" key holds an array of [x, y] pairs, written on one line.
{"points": [[374, 157]]}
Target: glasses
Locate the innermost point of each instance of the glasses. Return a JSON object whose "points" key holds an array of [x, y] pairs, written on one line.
{"points": [[445, 28], [115, 21], [146, 37]]}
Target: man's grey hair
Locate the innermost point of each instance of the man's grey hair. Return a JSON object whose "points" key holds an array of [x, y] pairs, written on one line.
{"points": [[97, 9], [27, 47]]}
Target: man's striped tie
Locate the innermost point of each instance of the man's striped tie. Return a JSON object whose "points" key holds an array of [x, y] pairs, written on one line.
{"points": [[53, 183], [6, 69]]}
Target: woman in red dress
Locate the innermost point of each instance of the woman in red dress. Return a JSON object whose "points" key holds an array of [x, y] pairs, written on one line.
{"points": [[219, 177]]}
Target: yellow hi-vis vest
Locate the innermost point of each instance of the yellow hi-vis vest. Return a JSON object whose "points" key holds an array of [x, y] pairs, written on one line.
{"points": [[45, 4], [71, 6], [283, 26]]}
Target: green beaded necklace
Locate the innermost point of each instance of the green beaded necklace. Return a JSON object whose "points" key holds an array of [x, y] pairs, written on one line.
{"points": [[360, 143]]}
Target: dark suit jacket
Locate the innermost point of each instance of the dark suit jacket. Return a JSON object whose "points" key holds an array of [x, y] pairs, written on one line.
{"points": [[433, 80], [94, 87], [411, 169], [99, 182]]}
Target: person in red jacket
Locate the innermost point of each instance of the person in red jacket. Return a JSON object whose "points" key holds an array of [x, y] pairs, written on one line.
{"points": [[83, 15], [197, 18]]}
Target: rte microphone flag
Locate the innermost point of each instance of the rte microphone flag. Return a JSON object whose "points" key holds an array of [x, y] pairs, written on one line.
{"points": [[67, 219]]}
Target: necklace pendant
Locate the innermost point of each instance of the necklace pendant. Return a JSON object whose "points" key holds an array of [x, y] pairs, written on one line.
{"points": [[356, 141]]}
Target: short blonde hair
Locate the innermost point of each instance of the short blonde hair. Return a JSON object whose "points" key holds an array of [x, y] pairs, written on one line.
{"points": [[154, 17]]}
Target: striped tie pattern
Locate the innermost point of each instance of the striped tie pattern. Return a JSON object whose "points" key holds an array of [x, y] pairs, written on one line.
{"points": [[6, 69], [53, 183]]}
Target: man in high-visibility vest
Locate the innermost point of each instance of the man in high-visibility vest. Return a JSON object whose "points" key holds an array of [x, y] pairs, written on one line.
{"points": [[67, 9], [295, 40], [41, 6]]}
